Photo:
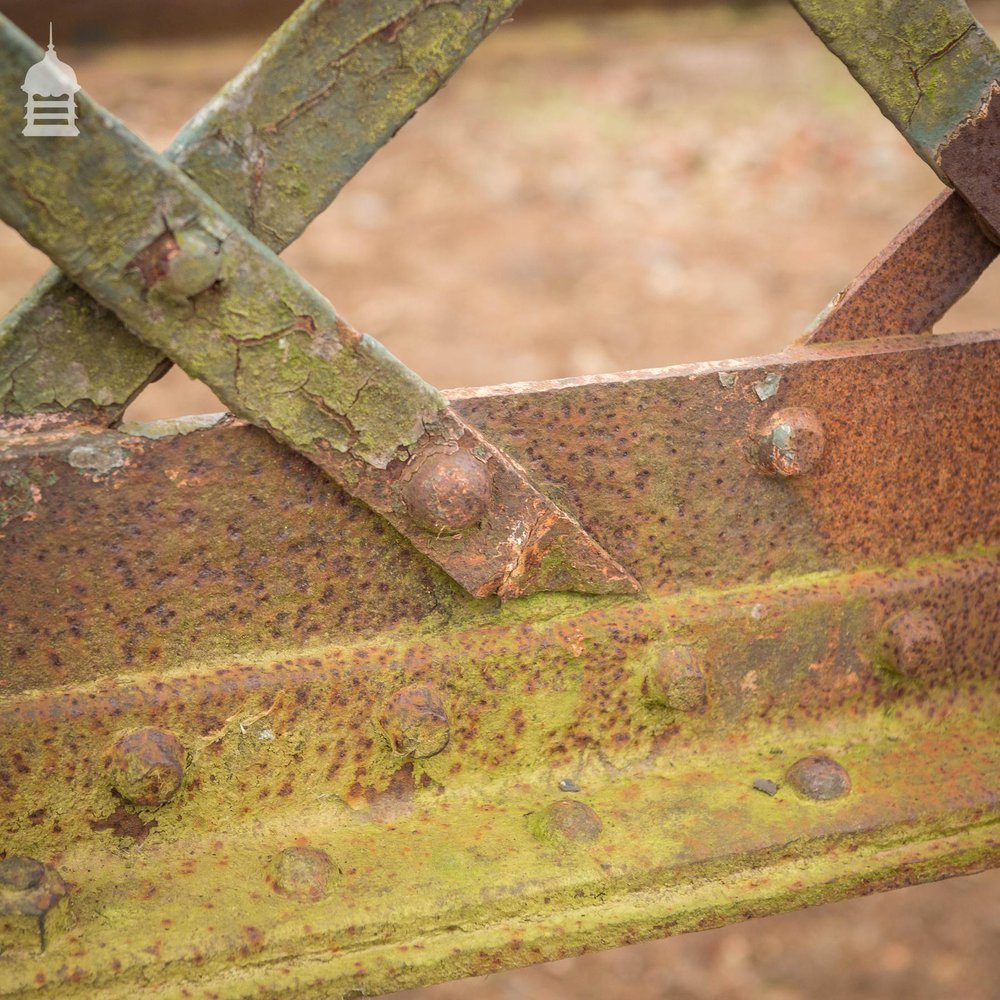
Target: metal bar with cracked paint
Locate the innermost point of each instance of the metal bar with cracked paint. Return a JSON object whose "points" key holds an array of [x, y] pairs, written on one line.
{"points": [[274, 148], [933, 71], [928, 64], [131, 229], [914, 281]]}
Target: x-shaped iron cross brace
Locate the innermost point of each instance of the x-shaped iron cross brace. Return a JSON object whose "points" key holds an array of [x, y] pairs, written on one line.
{"points": [[147, 243]]}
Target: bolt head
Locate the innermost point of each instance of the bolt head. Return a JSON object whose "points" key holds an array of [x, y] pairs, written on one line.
{"points": [[146, 766], [677, 679], [789, 442], [568, 821], [818, 778], [448, 492], [301, 873], [912, 644], [414, 722]]}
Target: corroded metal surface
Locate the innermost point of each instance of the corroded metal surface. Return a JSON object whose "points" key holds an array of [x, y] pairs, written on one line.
{"points": [[595, 763], [274, 148], [915, 280], [971, 160], [188, 279], [130, 567]]}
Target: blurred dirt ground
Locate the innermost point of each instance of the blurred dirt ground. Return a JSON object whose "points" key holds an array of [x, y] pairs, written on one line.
{"points": [[598, 194]]}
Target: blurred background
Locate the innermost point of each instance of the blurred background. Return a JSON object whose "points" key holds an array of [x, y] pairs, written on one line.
{"points": [[603, 186]]}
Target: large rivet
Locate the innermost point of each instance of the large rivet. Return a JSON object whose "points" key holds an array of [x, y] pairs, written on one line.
{"points": [[677, 680], [147, 766], [565, 821], [301, 873], [912, 644], [30, 893], [180, 265], [788, 443], [414, 722], [819, 778], [448, 492]]}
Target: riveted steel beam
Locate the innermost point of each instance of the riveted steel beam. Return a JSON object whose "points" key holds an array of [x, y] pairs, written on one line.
{"points": [[191, 281], [349, 820], [274, 148], [280, 750], [134, 546]]}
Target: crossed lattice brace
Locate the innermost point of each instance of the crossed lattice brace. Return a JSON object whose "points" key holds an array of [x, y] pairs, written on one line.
{"points": [[174, 257]]}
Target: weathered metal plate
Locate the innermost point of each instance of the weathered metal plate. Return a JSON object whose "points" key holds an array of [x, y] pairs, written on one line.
{"points": [[128, 553]]}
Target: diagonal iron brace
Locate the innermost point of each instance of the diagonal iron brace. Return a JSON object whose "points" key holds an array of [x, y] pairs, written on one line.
{"points": [[191, 281]]}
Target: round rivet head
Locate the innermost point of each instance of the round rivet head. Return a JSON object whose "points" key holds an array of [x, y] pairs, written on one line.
{"points": [[21, 873], [677, 680], [819, 778], [301, 873], [912, 644], [194, 266], [566, 821], [789, 442], [30, 894], [146, 766], [414, 722], [448, 492]]}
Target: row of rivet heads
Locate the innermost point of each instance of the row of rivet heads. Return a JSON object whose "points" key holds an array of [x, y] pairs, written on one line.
{"points": [[149, 766], [449, 494], [146, 768]]}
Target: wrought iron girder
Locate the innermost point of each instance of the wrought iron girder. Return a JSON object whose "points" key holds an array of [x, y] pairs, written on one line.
{"points": [[189, 280], [274, 148]]}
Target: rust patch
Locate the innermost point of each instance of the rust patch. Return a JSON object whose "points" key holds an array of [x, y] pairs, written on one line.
{"points": [[971, 161], [125, 823]]}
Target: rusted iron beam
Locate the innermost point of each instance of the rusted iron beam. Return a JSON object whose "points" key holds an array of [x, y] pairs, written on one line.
{"points": [[323, 822], [261, 744], [191, 281], [274, 148], [133, 548]]}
